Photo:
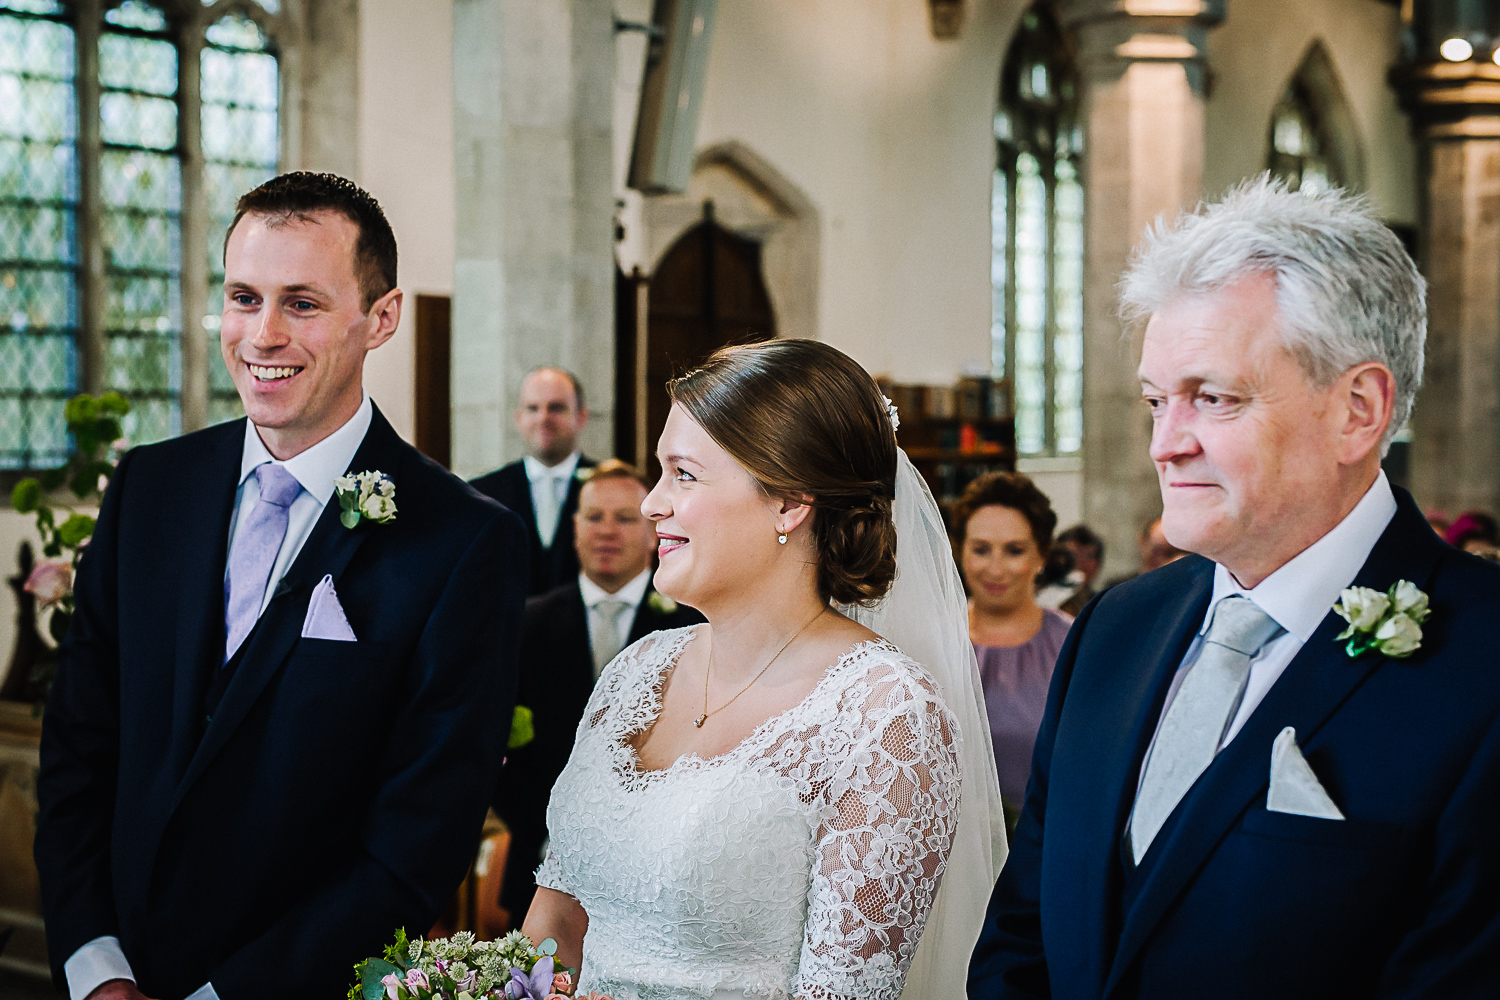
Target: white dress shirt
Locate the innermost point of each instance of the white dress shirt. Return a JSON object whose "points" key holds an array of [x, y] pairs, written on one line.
{"points": [[1298, 596], [101, 959], [549, 492], [629, 595]]}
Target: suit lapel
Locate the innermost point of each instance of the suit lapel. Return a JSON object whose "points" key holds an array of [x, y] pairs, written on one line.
{"points": [[1096, 758], [1318, 681], [203, 550], [327, 551]]}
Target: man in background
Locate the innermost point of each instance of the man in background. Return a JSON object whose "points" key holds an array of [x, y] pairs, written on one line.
{"points": [[1087, 549], [569, 636], [543, 486]]}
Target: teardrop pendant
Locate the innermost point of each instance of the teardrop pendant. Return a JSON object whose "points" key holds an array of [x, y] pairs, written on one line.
{"points": [[699, 721]]}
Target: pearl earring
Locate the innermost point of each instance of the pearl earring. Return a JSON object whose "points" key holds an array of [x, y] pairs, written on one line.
{"points": [[781, 539]]}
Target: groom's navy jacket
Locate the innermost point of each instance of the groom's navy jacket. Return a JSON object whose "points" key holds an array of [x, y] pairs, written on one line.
{"points": [[1402, 899], [338, 791]]}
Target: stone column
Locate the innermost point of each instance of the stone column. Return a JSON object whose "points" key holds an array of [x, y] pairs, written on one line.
{"points": [[534, 264], [1143, 67], [1456, 425]]}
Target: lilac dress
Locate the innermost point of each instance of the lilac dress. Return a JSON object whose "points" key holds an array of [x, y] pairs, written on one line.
{"points": [[1015, 680]]}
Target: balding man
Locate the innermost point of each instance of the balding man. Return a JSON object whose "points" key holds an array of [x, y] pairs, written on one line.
{"points": [[543, 486]]}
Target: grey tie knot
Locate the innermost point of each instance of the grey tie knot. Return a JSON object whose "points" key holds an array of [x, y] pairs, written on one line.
{"points": [[1239, 624], [277, 486]]}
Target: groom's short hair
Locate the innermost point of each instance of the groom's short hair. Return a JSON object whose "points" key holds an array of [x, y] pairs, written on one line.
{"points": [[295, 196], [1347, 292]]}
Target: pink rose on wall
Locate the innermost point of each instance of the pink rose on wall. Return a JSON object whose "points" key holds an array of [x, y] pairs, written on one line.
{"points": [[51, 580]]}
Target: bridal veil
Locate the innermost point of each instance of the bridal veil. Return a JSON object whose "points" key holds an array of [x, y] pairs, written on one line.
{"points": [[926, 615]]}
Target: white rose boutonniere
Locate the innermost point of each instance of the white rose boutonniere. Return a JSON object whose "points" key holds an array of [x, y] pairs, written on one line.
{"points": [[369, 495], [1389, 623], [661, 603]]}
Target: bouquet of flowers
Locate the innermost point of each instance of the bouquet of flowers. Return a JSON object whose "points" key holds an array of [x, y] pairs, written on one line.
{"points": [[465, 968]]}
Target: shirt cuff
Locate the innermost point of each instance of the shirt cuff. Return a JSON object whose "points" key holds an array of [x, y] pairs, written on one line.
{"points": [[204, 992], [94, 964]]}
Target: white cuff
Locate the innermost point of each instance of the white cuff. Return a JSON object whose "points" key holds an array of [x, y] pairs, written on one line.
{"points": [[94, 964], [204, 992]]}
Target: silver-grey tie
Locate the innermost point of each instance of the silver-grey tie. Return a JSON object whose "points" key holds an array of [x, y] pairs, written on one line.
{"points": [[606, 641], [1194, 724]]}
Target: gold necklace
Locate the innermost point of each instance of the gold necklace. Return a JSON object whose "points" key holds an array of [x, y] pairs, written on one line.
{"points": [[700, 720]]}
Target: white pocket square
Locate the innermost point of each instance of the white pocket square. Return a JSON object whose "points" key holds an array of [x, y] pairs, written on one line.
{"points": [[325, 616], [1294, 787]]}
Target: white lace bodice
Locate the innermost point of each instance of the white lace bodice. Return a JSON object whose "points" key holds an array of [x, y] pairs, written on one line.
{"points": [[802, 863]]}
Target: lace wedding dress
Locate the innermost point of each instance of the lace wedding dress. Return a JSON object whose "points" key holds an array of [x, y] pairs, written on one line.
{"points": [[800, 864]]}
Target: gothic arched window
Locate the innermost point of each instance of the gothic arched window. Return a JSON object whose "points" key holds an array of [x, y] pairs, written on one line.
{"points": [[1036, 261], [1313, 141], [117, 179]]}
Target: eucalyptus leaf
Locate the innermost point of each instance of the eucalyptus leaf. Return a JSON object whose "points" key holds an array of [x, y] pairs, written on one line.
{"points": [[547, 947], [371, 972]]}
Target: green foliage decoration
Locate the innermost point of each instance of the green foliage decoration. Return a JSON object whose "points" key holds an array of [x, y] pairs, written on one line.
{"points": [[94, 424]]}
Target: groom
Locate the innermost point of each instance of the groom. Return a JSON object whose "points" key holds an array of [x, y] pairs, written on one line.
{"points": [[272, 741], [1223, 801]]}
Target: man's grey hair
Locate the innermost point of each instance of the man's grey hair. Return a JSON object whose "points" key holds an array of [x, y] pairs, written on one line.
{"points": [[1346, 289]]}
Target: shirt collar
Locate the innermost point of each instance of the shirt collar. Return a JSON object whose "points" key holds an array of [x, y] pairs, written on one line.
{"points": [[631, 593], [317, 467], [536, 471], [1299, 595]]}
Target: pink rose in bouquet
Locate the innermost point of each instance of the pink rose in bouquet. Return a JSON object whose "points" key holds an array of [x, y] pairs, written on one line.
{"points": [[51, 580]]}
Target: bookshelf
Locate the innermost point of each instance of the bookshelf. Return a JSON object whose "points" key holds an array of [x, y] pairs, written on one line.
{"points": [[953, 434]]}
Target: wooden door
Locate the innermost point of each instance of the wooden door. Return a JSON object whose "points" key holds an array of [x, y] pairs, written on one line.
{"points": [[708, 292]]}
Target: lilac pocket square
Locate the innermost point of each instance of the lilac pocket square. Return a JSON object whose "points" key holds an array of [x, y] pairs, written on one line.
{"points": [[325, 616]]}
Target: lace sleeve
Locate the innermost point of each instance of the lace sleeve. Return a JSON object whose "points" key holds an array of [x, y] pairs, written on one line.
{"points": [[890, 774]]}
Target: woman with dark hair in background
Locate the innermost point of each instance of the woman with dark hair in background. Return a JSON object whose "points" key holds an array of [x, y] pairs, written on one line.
{"points": [[1002, 526], [764, 806]]}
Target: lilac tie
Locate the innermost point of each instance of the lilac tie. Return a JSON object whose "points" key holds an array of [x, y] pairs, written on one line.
{"points": [[254, 553]]}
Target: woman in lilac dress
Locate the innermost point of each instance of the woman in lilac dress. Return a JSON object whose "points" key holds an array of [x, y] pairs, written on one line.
{"points": [[1003, 527]]}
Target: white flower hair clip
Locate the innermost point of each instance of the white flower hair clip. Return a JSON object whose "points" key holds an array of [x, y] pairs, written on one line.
{"points": [[893, 413]]}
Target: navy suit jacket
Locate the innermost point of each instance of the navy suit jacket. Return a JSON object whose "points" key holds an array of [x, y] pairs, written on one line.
{"points": [[339, 790], [557, 678], [550, 567], [1402, 899]]}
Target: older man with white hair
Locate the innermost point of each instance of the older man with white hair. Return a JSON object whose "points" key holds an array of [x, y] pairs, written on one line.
{"points": [[1271, 768]]}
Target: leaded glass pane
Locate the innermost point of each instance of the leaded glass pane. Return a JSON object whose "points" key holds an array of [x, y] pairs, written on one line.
{"points": [[33, 6], [38, 233], [1067, 294], [135, 14], [141, 180], [999, 268], [241, 88], [1031, 305], [1036, 248]]}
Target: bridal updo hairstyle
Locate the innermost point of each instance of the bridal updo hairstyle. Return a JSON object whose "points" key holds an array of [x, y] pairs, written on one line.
{"points": [[810, 425]]}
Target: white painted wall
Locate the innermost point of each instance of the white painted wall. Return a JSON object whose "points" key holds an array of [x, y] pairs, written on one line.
{"points": [[888, 132], [406, 161]]}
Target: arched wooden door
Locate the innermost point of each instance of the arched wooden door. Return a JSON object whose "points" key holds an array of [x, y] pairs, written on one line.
{"points": [[708, 292]]}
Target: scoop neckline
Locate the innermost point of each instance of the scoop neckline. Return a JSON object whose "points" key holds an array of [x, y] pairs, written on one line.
{"points": [[636, 767]]}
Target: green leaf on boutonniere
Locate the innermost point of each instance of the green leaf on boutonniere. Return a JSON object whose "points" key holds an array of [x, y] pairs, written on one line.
{"points": [[661, 603]]}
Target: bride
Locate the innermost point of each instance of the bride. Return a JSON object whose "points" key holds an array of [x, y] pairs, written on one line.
{"points": [[765, 806]]}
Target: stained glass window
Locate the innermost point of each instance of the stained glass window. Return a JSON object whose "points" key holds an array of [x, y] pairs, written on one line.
{"points": [[38, 232], [1036, 219], [240, 86], [65, 325]]}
